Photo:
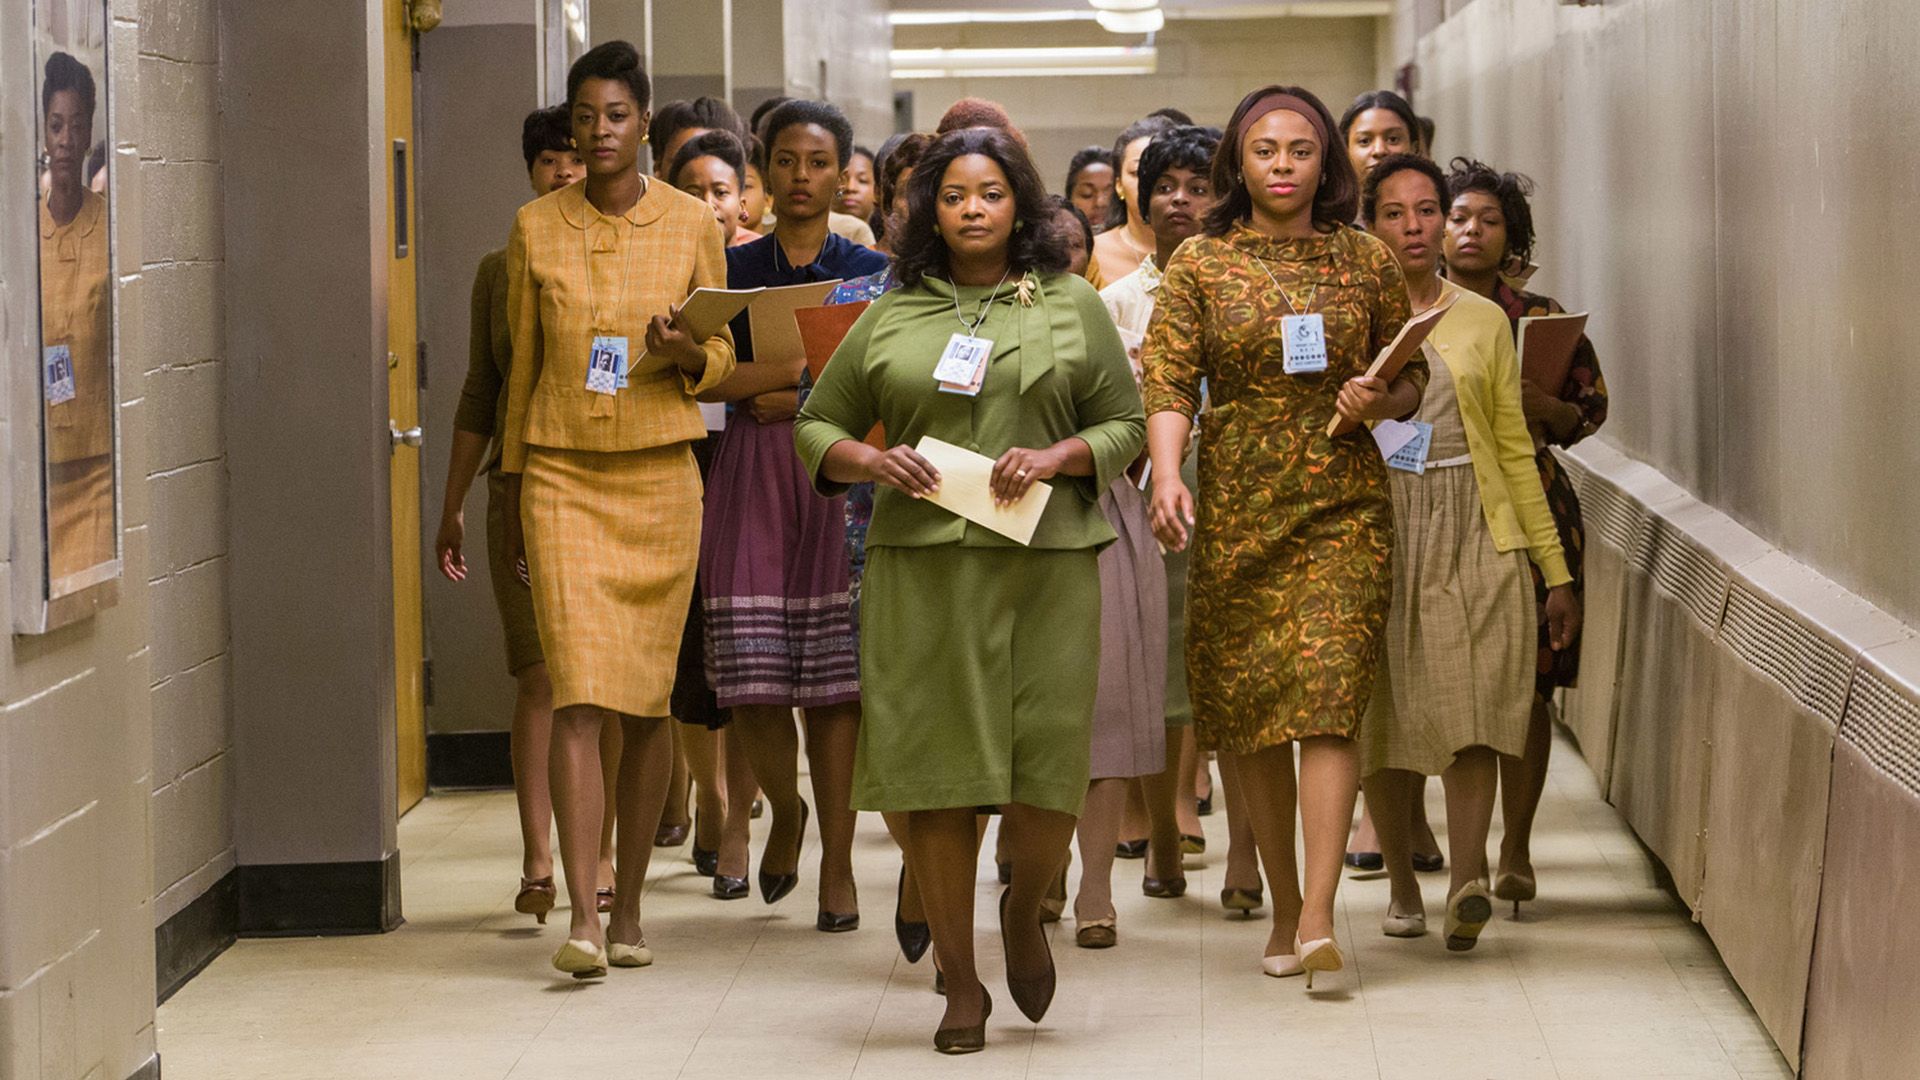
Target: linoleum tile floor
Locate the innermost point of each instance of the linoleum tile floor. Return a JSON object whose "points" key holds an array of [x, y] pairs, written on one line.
{"points": [[1605, 976]]}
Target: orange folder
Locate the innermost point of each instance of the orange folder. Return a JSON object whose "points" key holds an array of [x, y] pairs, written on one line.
{"points": [[1547, 345], [822, 329]]}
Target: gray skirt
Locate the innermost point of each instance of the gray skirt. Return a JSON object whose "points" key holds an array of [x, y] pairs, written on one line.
{"points": [[1129, 713]]}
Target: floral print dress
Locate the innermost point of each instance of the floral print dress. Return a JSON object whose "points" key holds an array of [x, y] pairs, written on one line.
{"points": [[1586, 389], [1290, 578]]}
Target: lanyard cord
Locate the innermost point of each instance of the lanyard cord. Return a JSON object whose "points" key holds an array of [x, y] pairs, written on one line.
{"points": [[626, 275], [1283, 292], [986, 306]]}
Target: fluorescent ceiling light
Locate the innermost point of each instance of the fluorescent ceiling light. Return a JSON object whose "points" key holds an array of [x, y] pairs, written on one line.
{"points": [[1149, 21], [1002, 63], [1124, 5], [955, 18]]}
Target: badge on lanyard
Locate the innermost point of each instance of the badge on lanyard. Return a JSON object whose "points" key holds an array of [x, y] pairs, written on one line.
{"points": [[1404, 444], [963, 366], [59, 373], [607, 364], [1304, 338]]}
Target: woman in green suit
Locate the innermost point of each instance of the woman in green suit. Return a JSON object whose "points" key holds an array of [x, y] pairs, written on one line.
{"points": [[979, 656]]}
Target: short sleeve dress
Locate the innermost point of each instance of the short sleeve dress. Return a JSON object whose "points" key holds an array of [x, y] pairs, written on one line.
{"points": [[1290, 578]]}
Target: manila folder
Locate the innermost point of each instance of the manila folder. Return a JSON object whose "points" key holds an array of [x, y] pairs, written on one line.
{"points": [[965, 489]]}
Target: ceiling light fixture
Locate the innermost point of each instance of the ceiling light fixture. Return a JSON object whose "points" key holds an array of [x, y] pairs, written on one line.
{"points": [[1123, 5], [959, 18], [1149, 21], [1019, 62]]}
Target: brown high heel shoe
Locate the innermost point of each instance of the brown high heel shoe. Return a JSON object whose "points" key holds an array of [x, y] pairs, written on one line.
{"points": [[536, 898], [1032, 996], [970, 1039]]}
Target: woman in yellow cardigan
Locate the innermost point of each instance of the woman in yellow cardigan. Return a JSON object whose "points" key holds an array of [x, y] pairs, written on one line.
{"points": [[1457, 688], [603, 492]]}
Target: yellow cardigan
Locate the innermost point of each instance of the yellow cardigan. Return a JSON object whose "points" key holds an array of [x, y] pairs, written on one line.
{"points": [[1475, 341]]}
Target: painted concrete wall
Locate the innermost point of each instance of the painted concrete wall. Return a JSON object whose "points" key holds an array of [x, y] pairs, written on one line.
{"points": [[1717, 184], [1205, 67]]}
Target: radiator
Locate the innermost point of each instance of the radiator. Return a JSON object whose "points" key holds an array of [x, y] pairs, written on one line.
{"points": [[1863, 1016], [1783, 663]]}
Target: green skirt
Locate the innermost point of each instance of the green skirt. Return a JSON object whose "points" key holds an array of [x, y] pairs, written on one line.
{"points": [[978, 668]]}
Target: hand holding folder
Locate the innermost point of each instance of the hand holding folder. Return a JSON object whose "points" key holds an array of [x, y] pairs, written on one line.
{"points": [[966, 490], [1547, 345], [1394, 357]]}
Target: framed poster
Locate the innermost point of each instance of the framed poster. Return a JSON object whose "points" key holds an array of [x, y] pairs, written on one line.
{"points": [[73, 179]]}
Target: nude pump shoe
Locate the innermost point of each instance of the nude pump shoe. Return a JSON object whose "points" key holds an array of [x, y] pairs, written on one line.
{"points": [[1320, 954], [581, 959]]}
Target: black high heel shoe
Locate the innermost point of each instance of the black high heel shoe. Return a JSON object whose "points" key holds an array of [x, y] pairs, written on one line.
{"points": [[729, 888], [775, 886], [966, 1040], [1033, 996], [914, 937], [829, 923], [1129, 849]]}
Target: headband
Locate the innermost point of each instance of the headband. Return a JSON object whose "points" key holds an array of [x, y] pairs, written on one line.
{"points": [[1277, 100]]}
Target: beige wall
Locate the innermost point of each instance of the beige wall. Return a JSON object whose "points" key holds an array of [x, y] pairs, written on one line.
{"points": [[1719, 185], [76, 735], [848, 41], [185, 367], [1205, 67]]}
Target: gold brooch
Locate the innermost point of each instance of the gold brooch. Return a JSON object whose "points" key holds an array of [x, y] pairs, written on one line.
{"points": [[1023, 292]]}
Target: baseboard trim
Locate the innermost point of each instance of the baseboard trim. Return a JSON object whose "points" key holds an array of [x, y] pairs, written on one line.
{"points": [[469, 759], [149, 1071], [304, 899], [196, 934]]}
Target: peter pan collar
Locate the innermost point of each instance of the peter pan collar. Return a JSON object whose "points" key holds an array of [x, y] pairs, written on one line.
{"points": [[580, 213]]}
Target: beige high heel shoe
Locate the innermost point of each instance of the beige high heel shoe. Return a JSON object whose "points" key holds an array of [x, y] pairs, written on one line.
{"points": [[1320, 954], [581, 959], [1514, 886], [1467, 914]]}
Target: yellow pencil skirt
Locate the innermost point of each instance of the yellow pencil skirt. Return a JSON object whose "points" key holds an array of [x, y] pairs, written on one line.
{"points": [[612, 542]]}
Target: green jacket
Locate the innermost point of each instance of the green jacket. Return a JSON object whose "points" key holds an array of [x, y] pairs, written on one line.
{"points": [[1057, 370]]}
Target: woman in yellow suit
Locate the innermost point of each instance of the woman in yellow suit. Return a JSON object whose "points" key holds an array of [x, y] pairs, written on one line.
{"points": [[600, 418], [76, 334]]}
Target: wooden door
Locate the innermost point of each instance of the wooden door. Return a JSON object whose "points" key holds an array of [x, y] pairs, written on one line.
{"points": [[403, 397]]}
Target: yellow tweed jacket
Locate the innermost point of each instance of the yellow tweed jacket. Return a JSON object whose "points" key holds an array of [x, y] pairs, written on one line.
{"points": [[1475, 341], [76, 309], [572, 273]]}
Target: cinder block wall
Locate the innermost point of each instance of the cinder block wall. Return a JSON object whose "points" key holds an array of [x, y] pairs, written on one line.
{"points": [[76, 729], [181, 269]]}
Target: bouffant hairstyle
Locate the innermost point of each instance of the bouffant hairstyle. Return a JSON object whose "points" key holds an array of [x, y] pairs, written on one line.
{"points": [[1393, 165], [710, 113], [611, 60], [1063, 207], [1511, 188], [921, 252], [63, 72], [978, 113], [1335, 201], [545, 129], [800, 112], [717, 143], [1182, 148]]}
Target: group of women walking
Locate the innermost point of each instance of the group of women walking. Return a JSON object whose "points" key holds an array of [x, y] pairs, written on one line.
{"points": [[1214, 569]]}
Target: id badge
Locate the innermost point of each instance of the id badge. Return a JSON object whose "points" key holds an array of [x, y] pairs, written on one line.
{"points": [[1304, 337], [1412, 455], [607, 364], [59, 374], [963, 366]]}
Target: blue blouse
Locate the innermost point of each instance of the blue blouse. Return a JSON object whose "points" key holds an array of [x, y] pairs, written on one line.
{"points": [[762, 263]]}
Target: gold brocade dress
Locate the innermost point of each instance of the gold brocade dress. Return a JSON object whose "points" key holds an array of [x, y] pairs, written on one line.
{"points": [[76, 312], [1290, 577]]}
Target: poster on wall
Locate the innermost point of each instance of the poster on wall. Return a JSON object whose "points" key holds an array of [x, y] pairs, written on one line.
{"points": [[76, 294]]}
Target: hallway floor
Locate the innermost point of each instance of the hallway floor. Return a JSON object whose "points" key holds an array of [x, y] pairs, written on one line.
{"points": [[1604, 977]]}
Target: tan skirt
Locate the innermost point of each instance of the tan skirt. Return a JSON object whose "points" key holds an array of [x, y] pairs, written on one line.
{"points": [[1129, 712], [612, 543], [1459, 647]]}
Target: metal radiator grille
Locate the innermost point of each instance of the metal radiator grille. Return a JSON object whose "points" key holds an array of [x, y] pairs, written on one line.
{"points": [[1884, 724], [1682, 569], [1812, 669]]}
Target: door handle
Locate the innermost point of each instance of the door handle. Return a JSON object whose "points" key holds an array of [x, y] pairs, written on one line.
{"points": [[413, 436]]}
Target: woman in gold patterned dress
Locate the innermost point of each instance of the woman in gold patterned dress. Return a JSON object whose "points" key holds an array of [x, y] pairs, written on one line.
{"points": [[1289, 580]]}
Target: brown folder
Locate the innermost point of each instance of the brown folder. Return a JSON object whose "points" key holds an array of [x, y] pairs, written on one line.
{"points": [[822, 329], [1547, 345], [1398, 351]]}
